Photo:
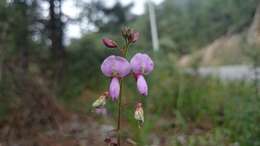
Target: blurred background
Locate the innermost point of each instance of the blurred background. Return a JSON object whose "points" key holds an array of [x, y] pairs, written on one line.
{"points": [[204, 90]]}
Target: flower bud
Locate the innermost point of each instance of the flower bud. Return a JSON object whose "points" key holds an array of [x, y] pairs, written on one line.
{"points": [[109, 43], [125, 31], [134, 36]]}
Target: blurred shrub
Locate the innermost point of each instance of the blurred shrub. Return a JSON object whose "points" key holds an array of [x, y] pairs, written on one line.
{"points": [[228, 104], [84, 58]]}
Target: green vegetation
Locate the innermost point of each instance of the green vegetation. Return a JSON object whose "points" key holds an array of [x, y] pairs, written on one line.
{"points": [[181, 110]]}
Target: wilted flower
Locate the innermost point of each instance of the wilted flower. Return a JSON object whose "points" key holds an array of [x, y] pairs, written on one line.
{"points": [[109, 43], [115, 67], [141, 65], [139, 113], [101, 101]]}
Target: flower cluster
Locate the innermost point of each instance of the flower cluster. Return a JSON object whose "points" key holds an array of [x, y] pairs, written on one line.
{"points": [[118, 67]]}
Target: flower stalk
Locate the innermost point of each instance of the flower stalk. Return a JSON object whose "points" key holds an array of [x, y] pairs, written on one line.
{"points": [[117, 68], [119, 114], [124, 53]]}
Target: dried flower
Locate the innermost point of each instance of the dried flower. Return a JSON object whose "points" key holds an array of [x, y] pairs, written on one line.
{"points": [[101, 101], [115, 67], [109, 43], [141, 65], [139, 113]]}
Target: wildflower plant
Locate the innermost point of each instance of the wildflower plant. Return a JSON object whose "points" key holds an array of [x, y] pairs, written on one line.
{"points": [[117, 68]]}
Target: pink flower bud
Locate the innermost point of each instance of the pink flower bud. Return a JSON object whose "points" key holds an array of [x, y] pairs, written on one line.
{"points": [[114, 88], [109, 43], [134, 36], [142, 85]]}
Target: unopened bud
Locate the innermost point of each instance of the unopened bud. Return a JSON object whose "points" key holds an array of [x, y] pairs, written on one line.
{"points": [[134, 36], [126, 32], [109, 43]]}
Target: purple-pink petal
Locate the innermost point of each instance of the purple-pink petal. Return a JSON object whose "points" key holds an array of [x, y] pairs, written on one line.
{"points": [[141, 64], [101, 111], [142, 85], [115, 66], [114, 88]]}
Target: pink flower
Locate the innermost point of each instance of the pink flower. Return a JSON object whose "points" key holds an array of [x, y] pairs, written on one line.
{"points": [[109, 43], [116, 67], [141, 65]]}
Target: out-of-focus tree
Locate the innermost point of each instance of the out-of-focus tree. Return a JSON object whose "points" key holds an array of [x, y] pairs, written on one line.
{"points": [[18, 23], [22, 36], [191, 24], [3, 33], [252, 47], [107, 19], [55, 28]]}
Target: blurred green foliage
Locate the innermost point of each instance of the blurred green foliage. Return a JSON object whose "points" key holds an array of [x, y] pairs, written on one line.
{"points": [[225, 111], [185, 25]]}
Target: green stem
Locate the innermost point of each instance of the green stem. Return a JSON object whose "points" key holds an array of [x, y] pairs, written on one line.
{"points": [[124, 53], [119, 114]]}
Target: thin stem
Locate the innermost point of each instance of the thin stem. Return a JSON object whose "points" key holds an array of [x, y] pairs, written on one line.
{"points": [[124, 53], [119, 113]]}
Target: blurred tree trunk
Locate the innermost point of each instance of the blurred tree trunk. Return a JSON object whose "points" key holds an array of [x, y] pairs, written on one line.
{"points": [[20, 28], [56, 36], [2, 47]]}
